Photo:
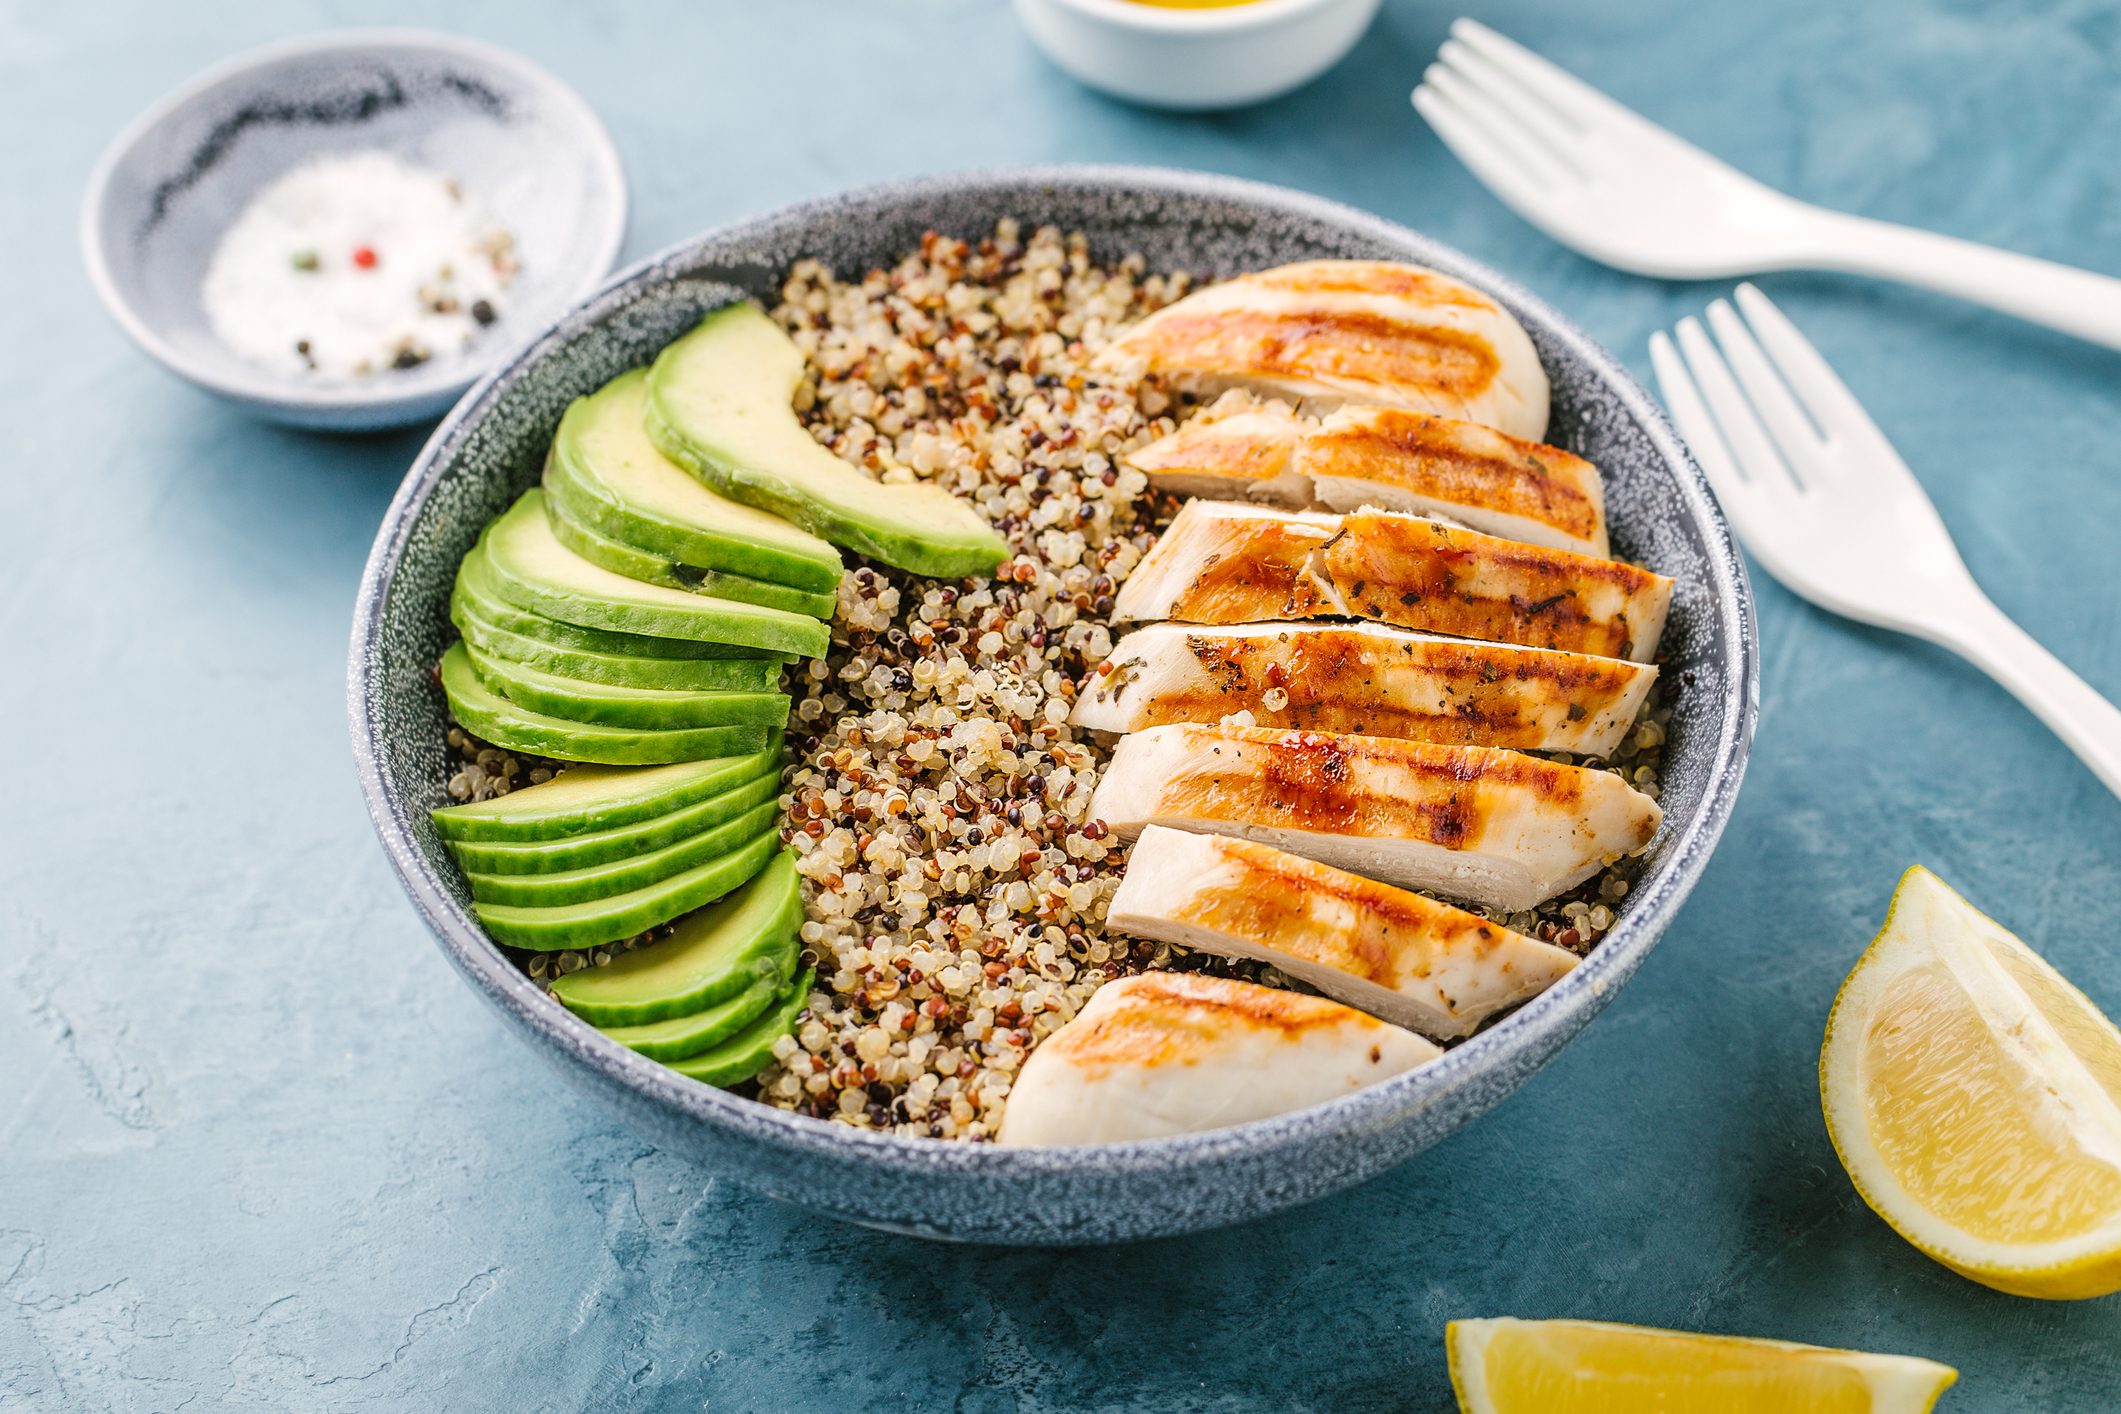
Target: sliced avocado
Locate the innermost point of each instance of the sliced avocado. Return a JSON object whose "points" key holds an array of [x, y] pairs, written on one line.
{"points": [[475, 584], [620, 558], [606, 920], [601, 846], [713, 954], [681, 1037], [625, 489], [720, 404], [748, 1052], [483, 712], [621, 876], [533, 570], [642, 708], [617, 670], [582, 799]]}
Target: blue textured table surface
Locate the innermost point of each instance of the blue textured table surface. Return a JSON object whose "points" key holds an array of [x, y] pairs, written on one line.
{"points": [[260, 1149]]}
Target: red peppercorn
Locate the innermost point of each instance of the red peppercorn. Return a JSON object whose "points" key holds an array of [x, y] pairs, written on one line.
{"points": [[365, 257]]}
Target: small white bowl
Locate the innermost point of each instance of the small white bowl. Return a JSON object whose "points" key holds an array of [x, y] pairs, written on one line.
{"points": [[520, 140], [1224, 57]]}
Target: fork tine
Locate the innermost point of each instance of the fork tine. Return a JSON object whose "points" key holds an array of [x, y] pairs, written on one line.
{"points": [[1526, 147], [1824, 396], [1752, 451], [1683, 400], [1563, 91], [1490, 158], [1746, 505], [1529, 110], [1800, 442]]}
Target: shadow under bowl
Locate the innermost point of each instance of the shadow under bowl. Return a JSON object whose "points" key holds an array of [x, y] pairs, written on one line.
{"points": [[491, 447]]}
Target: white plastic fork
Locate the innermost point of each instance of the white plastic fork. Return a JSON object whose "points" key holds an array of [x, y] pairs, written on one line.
{"points": [[1826, 505], [1614, 186]]}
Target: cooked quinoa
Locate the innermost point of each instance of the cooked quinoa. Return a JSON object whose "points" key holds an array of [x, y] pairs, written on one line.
{"points": [[938, 804]]}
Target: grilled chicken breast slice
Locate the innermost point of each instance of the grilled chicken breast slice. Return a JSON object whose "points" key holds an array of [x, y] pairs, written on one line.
{"points": [[1496, 828], [1399, 956], [1227, 562], [1417, 573], [1366, 679], [1237, 449], [1328, 332], [1164, 1053], [1483, 478], [1241, 449], [1224, 562]]}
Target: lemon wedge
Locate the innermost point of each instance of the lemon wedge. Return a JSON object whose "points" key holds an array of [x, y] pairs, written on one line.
{"points": [[1507, 1366], [1974, 1096]]}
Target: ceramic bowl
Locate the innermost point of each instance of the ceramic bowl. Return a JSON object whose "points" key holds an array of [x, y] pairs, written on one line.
{"points": [[1222, 57], [490, 448], [520, 140]]}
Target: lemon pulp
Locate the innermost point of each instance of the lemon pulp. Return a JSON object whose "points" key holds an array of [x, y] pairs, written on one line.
{"points": [[1974, 1097], [1593, 1367], [1574, 1371], [1971, 1133]]}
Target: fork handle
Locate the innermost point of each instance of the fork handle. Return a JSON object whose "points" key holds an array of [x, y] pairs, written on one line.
{"points": [[2063, 297], [2087, 723]]}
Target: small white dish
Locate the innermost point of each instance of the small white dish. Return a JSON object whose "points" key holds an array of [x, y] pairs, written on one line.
{"points": [[522, 141], [1224, 57]]}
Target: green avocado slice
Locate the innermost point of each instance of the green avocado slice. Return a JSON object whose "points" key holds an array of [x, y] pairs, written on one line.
{"points": [[714, 953], [482, 712], [745, 1054], [612, 669], [606, 920], [585, 799], [621, 558], [720, 404], [619, 485], [620, 876], [475, 585], [684, 1036], [643, 708], [533, 570], [601, 846]]}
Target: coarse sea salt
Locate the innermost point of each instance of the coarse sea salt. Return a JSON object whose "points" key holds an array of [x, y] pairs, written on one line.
{"points": [[354, 264]]}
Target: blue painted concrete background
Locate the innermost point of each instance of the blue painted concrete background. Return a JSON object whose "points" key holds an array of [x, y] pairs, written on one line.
{"points": [[259, 1149]]}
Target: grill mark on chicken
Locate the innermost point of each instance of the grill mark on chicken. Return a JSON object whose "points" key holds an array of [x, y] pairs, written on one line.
{"points": [[1348, 346], [1372, 277], [1228, 563], [1166, 1018], [1343, 681], [1439, 457], [1364, 786], [1285, 899], [1251, 447], [1277, 562]]}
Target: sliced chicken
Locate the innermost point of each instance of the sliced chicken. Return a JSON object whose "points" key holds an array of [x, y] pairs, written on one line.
{"points": [[1366, 679], [1400, 956], [1328, 332], [1244, 450], [1497, 828], [1225, 562], [1237, 449], [1437, 466], [1164, 1053]]}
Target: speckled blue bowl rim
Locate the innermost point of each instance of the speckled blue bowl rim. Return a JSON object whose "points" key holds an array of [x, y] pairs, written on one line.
{"points": [[261, 388], [1651, 910]]}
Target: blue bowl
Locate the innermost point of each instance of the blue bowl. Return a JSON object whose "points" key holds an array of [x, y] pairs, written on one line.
{"points": [[491, 446], [518, 138]]}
